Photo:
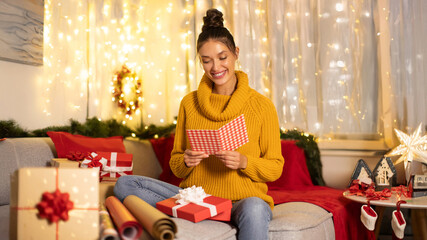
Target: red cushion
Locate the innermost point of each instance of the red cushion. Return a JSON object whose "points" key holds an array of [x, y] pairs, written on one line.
{"points": [[295, 172], [66, 142], [162, 148]]}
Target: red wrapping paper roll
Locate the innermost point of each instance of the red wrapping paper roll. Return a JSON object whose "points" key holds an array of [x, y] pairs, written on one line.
{"points": [[126, 224]]}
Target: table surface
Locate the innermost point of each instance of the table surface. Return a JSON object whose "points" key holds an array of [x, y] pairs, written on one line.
{"points": [[413, 203]]}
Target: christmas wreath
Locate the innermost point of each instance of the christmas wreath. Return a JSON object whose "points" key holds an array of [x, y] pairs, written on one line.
{"points": [[127, 90]]}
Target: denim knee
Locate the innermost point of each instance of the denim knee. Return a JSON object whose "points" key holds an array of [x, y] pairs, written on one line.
{"points": [[252, 217], [148, 189], [122, 186], [254, 207]]}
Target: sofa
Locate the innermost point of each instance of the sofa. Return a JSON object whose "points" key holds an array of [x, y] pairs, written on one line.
{"points": [[291, 219]]}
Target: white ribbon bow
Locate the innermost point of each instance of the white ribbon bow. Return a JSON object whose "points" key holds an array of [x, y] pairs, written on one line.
{"points": [[192, 195]]}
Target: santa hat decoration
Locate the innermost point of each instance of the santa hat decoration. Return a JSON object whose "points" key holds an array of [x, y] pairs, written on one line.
{"points": [[369, 217], [398, 222]]}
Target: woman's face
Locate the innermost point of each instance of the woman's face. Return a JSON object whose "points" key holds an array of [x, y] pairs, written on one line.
{"points": [[218, 62]]}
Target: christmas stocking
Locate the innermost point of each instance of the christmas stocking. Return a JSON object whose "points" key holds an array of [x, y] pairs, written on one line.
{"points": [[368, 217], [398, 222]]}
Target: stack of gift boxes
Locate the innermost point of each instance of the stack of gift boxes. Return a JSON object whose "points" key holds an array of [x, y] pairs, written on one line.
{"points": [[66, 200], [111, 165]]}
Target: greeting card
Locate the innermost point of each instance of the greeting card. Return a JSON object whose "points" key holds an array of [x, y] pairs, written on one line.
{"points": [[229, 137]]}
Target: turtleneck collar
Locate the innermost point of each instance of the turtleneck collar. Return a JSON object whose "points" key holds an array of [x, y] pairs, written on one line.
{"points": [[235, 104]]}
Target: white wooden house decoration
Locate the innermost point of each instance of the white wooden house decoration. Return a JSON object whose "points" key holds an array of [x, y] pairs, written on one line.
{"points": [[362, 173], [384, 174]]}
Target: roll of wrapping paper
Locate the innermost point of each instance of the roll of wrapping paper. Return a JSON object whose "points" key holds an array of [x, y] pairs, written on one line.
{"points": [[157, 224], [126, 224], [108, 232]]}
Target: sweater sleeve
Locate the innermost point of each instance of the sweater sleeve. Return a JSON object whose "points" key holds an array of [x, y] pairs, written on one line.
{"points": [[268, 166], [176, 162]]}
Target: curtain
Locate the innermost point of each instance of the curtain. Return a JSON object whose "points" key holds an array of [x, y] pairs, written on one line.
{"points": [[408, 57], [338, 69], [314, 60]]}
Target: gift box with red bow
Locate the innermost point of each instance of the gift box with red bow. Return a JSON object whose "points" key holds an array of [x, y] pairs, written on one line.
{"points": [[64, 163], [54, 203], [196, 209], [72, 160], [110, 164]]}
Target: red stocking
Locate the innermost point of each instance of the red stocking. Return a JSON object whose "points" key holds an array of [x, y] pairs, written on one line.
{"points": [[368, 217], [398, 222]]}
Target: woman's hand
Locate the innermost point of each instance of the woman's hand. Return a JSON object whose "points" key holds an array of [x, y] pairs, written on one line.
{"points": [[193, 158], [232, 159]]}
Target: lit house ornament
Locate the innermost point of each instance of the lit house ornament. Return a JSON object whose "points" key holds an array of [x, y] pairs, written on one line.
{"points": [[384, 174], [362, 173]]}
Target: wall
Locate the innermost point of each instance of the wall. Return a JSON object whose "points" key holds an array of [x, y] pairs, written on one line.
{"points": [[21, 95], [339, 159]]}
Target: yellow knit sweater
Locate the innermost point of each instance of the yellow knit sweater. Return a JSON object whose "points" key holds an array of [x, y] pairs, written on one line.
{"points": [[203, 109]]}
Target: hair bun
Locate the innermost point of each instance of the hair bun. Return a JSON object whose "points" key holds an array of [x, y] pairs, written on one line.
{"points": [[213, 19]]}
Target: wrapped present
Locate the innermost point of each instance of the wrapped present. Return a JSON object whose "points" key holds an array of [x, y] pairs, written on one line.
{"points": [[64, 162], [54, 203], [94, 160], [110, 164], [195, 205]]}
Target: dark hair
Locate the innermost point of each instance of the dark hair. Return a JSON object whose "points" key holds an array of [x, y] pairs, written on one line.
{"points": [[213, 29]]}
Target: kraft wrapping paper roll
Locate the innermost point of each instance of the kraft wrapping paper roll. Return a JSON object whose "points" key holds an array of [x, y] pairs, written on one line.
{"points": [[108, 232], [157, 224], [127, 225]]}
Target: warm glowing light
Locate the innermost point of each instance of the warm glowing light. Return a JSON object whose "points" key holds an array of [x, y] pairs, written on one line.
{"points": [[339, 7]]}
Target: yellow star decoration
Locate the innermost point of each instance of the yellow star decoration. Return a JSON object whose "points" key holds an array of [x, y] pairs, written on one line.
{"points": [[411, 148]]}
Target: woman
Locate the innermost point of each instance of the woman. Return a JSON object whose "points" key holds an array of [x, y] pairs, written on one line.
{"points": [[239, 175]]}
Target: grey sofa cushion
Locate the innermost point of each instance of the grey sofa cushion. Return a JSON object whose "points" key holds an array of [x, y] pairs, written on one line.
{"points": [[301, 220], [4, 220], [17, 153], [204, 230]]}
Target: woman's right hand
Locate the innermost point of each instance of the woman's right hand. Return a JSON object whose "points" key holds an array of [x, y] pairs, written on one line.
{"points": [[193, 158]]}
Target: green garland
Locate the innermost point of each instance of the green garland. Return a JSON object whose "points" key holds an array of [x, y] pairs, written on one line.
{"points": [[92, 128], [96, 128]]}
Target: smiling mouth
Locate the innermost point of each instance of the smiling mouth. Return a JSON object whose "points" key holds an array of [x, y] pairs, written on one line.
{"points": [[218, 75]]}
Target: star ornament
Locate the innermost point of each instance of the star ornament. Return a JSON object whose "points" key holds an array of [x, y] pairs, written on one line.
{"points": [[411, 148]]}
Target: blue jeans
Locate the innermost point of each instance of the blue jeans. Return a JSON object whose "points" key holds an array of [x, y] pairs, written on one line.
{"points": [[251, 215]]}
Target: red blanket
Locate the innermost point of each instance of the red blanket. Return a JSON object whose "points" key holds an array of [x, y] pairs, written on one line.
{"points": [[294, 185]]}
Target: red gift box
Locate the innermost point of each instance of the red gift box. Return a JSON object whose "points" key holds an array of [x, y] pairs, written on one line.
{"points": [[111, 164], [195, 212]]}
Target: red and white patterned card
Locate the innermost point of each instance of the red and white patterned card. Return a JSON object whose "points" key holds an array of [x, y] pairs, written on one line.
{"points": [[229, 137]]}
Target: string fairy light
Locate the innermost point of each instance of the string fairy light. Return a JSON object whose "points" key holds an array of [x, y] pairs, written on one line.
{"points": [[82, 55], [91, 40]]}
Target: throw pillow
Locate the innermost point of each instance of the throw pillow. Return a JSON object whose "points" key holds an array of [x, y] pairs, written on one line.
{"points": [[295, 172], [162, 148], [66, 142]]}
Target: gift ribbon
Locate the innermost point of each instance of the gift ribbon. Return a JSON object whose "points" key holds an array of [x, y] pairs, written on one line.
{"points": [[55, 206], [94, 161], [113, 169], [47, 194], [76, 156], [212, 208]]}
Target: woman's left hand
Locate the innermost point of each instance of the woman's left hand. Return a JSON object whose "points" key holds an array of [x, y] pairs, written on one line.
{"points": [[232, 159]]}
